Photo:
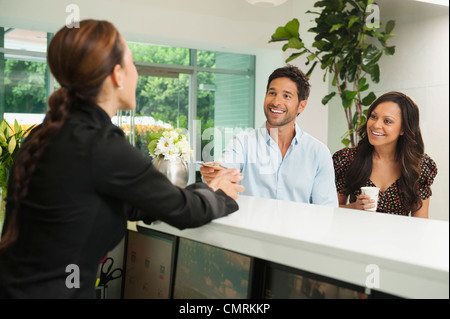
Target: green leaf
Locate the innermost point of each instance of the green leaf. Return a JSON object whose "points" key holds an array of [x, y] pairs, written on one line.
{"points": [[351, 72], [346, 103], [362, 82], [308, 74], [3, 126], [280, 35], [295, 43], [352, 20], [155, 136], [362, 120], [364, 87], [292, 27], [389, 50], [362, 4], [375, 73], [314, 12], [319, 44], [11, 145], [328, 97], [350, 94], [355, 120], [326, 63], [312, 57], [368, 99], [346, 142], [389, 26], [323, 3], [295, 55], [336, 26], [371, 56], [339, 66], [152, 145]]}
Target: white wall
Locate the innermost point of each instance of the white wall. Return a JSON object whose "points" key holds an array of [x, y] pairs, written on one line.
{"points": [[419, 68]]}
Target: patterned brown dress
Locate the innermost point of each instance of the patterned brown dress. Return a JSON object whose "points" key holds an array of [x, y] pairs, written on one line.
{"points": [[389, 201]]}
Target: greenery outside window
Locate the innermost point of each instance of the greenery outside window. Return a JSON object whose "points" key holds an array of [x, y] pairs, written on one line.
{"points": [[200, 91]]}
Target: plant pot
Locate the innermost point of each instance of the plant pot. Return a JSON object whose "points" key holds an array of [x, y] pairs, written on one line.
{"points": [[176, 170]]}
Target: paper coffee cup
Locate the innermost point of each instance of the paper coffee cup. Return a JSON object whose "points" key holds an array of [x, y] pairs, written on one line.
{"points": [[373, 193]]}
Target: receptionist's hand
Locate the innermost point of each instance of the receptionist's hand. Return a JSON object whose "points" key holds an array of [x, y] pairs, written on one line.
{"points": [[227, 180], [208, 173]]}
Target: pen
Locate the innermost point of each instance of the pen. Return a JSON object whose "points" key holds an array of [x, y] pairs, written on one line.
{"points": [[214, 165]]}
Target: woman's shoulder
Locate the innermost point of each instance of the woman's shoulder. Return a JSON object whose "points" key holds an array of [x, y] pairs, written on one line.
{"points": [[428, 167], [346, 154], [427, 160], [342, 159]]}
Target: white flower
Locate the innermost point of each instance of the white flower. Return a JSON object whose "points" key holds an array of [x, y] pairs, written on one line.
{"points": [[170, 144], [170, 134], [164, 145], [171, 154]]}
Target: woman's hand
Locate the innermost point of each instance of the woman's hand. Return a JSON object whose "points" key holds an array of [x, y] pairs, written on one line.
{"points": [[363, 202], [226, 181], [208, 173]]}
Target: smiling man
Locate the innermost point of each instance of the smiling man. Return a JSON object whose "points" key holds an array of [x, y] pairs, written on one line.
{"points": [[279, 160]]}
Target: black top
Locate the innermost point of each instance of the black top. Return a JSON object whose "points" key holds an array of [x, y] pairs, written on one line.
{"points": [[84, 186]]}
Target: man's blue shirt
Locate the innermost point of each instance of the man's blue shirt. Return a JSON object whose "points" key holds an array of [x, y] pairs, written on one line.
{"points": [[305, 174]]}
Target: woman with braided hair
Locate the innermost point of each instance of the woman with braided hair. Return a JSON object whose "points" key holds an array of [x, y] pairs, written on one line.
{"points": [[76, 179]]}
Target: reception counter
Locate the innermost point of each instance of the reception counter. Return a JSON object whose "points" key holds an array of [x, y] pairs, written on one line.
{"points": [[401, 256]]}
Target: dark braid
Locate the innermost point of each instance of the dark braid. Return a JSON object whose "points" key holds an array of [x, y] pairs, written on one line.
{"points": [[80, 59]]}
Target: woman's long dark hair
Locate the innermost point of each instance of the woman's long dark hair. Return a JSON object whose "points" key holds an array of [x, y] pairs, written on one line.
{"points": [[80, 59], [409, 152]]}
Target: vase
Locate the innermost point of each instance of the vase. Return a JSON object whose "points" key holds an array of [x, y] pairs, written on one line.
{"points": [[176, 170]]}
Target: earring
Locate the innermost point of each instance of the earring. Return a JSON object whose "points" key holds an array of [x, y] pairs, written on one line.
{"points": [[120, 88]]}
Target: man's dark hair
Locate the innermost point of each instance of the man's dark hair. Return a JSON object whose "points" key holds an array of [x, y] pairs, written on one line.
{"points": [[296, 75]]}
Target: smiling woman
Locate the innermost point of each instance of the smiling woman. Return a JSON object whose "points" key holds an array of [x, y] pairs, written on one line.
{"points": [[390, 155], [384, 125]]}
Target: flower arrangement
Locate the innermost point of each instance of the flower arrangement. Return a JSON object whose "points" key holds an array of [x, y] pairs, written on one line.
{"points": [[169, 144], [10, 141]]}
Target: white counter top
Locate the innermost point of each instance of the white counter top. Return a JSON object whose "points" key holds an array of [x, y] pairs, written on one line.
{"points": [[412, 254]]}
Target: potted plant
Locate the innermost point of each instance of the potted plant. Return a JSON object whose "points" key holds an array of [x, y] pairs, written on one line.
{"points": [[346, 34], [10, 140]]}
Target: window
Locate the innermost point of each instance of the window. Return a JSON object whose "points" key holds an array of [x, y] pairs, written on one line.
{"points": [[205, 92], [25, 81]]}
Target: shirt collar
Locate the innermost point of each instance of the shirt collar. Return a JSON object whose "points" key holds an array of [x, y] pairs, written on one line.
{"points": [[298, 133]]}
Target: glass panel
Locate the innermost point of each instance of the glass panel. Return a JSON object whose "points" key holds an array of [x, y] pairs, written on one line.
{"points": [[24, 93], [224, 60], [25, 86], [160, 102], [159, 54], [24, 79], [223, 109]]}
